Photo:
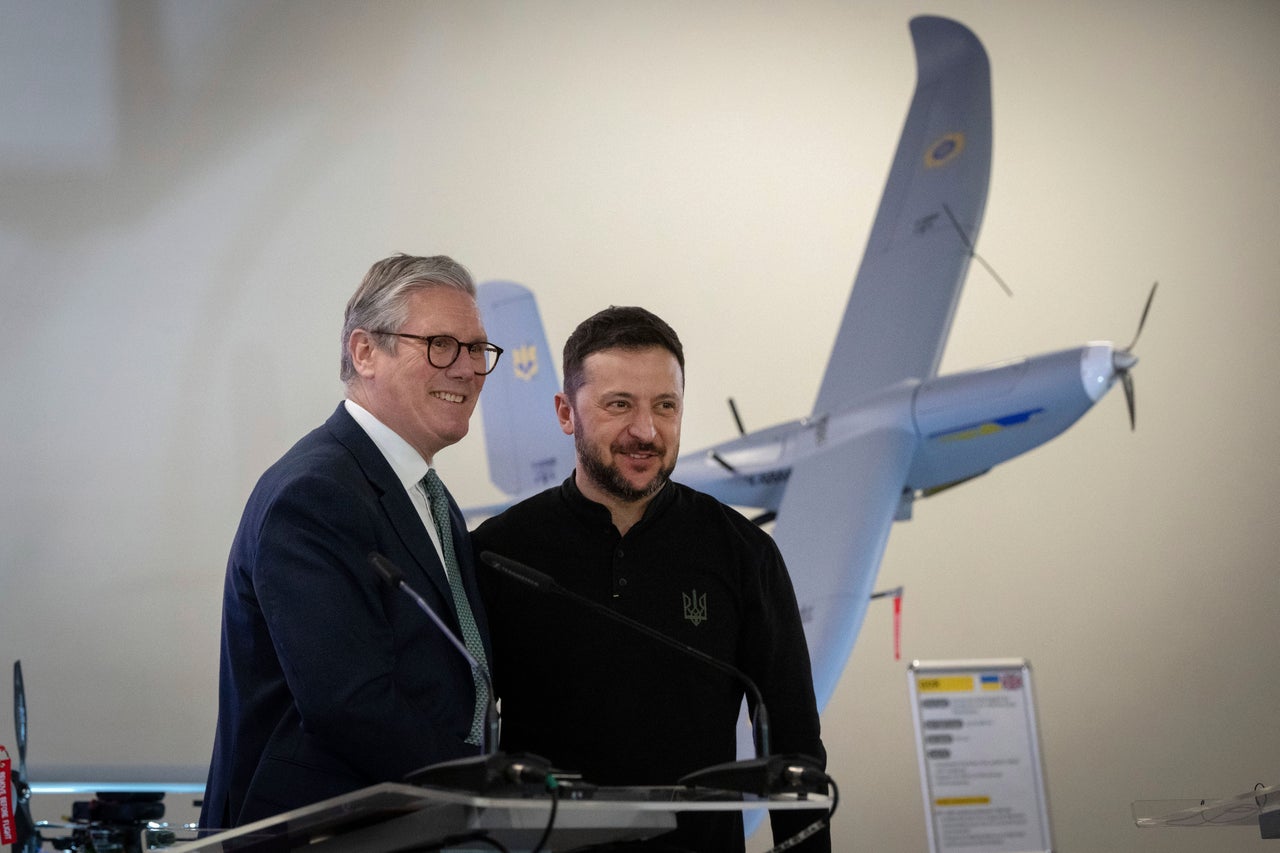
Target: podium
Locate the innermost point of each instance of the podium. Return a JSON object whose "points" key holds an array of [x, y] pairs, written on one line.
{"points": [[394, 816]]}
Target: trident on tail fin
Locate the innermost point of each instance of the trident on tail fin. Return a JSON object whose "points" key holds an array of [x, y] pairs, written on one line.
{"points": [[527, 451]]}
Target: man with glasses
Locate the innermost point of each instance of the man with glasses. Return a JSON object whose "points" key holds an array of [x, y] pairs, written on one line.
{"points": [[331, 680]]}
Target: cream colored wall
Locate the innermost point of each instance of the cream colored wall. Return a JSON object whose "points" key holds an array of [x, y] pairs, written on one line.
{"points": [[190, 192]]}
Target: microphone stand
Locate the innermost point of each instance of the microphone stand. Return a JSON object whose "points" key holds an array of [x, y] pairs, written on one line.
{"points": [[491, 769]]}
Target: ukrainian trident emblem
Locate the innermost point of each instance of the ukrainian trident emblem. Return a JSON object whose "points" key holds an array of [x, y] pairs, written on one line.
{"points": [[695, 606], [524, 362]]}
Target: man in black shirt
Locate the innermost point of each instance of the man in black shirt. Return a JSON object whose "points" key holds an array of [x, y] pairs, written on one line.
{"points": [[593, 696]]}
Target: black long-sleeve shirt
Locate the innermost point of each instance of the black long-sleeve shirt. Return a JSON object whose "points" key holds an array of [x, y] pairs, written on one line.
{"points": [[600, 699]]}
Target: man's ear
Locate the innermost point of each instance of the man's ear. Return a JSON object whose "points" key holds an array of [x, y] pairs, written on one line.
{"points": [[564, 412], [362, 349]]}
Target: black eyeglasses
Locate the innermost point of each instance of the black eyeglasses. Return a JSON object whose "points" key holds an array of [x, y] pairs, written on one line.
{"points": [[443, 350]]}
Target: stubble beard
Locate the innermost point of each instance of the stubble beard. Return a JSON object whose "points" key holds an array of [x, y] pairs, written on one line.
{"points": [[608, 478]]}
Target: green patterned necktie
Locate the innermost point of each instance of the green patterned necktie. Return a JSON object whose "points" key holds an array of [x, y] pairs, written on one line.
{"points": [[434, 490]]}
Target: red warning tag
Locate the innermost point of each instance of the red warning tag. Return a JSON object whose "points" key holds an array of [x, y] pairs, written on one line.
{"points": [[8, 834], [897, 626]]}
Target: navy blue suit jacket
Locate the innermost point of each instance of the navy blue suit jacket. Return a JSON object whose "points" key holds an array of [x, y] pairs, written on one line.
{"points": [[330, 680]]}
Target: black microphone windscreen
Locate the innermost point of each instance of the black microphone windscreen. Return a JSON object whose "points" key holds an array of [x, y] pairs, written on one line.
{"points": [[518, 571], [387, 570]]}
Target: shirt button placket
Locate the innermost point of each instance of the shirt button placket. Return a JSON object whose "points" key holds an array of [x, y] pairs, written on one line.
{"points": [[619, 573]]}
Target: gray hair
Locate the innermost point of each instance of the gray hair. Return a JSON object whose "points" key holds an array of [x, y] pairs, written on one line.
{"points": [[382, 300]]}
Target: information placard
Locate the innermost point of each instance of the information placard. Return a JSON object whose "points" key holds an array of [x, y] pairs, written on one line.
{"points": [[979, 752]]}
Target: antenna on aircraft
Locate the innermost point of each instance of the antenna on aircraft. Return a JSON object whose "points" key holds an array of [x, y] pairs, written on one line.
{"points": [[733, 407], [968, 244], [1124, 360]]}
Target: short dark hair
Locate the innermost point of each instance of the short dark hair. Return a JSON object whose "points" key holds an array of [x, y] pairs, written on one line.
{"points": [[616, 327]]}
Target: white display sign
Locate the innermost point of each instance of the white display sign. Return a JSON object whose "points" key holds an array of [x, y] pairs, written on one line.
{"points": [[979, 752]]}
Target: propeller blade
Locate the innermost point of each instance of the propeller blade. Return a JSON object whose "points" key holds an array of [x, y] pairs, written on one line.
{"points": [[1123, 360], [20, 717], [27, 839], [1126, 379], [1143, 321]]}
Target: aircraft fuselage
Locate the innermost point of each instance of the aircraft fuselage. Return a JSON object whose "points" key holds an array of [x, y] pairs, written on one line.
{"points": [[962, 425]]}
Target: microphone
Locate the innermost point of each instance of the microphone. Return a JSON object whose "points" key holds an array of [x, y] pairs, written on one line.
{"points": [[765, 774], [393, 577], [477, 773]]}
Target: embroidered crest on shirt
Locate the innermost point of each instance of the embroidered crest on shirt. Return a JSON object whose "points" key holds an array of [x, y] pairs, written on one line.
{"points": [[695, 606]]}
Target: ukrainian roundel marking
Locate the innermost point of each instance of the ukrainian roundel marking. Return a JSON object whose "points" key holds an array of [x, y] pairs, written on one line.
{"points": [[990, 427], [944, 150]]}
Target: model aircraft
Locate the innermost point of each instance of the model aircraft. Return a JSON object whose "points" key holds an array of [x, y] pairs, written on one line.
{"points": [[885, 428]]}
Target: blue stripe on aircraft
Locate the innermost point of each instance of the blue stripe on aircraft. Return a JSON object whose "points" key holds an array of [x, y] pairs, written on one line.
{"points": [[981, 428]]}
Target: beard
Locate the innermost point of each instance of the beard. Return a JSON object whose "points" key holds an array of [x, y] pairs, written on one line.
{"points": [[607, 476]]}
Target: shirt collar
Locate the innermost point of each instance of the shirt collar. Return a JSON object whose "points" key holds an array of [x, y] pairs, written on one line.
{"points": [[407, 463], [600, 513]]}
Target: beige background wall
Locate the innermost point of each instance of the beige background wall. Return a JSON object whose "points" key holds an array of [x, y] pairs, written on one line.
{"points": [[189, 192]]}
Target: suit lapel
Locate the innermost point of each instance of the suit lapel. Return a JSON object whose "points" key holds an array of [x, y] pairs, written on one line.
{"points": [[400, 512]]}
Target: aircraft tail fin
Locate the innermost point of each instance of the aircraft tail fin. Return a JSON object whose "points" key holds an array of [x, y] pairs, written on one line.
{"points": [[526, 449]]}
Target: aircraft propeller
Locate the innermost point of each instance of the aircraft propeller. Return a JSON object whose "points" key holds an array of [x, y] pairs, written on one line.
{"points": [[1123, 360], [27, 840]]}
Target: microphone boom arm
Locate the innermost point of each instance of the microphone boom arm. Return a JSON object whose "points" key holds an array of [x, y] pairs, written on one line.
{"points": [[394, 577]]}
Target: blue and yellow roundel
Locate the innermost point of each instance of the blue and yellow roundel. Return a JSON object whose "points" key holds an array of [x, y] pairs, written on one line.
{"points": [[945, 149]]}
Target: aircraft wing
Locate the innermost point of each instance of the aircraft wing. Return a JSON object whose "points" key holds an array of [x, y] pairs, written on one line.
{"points": [[904, 296], [832, 527]]}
